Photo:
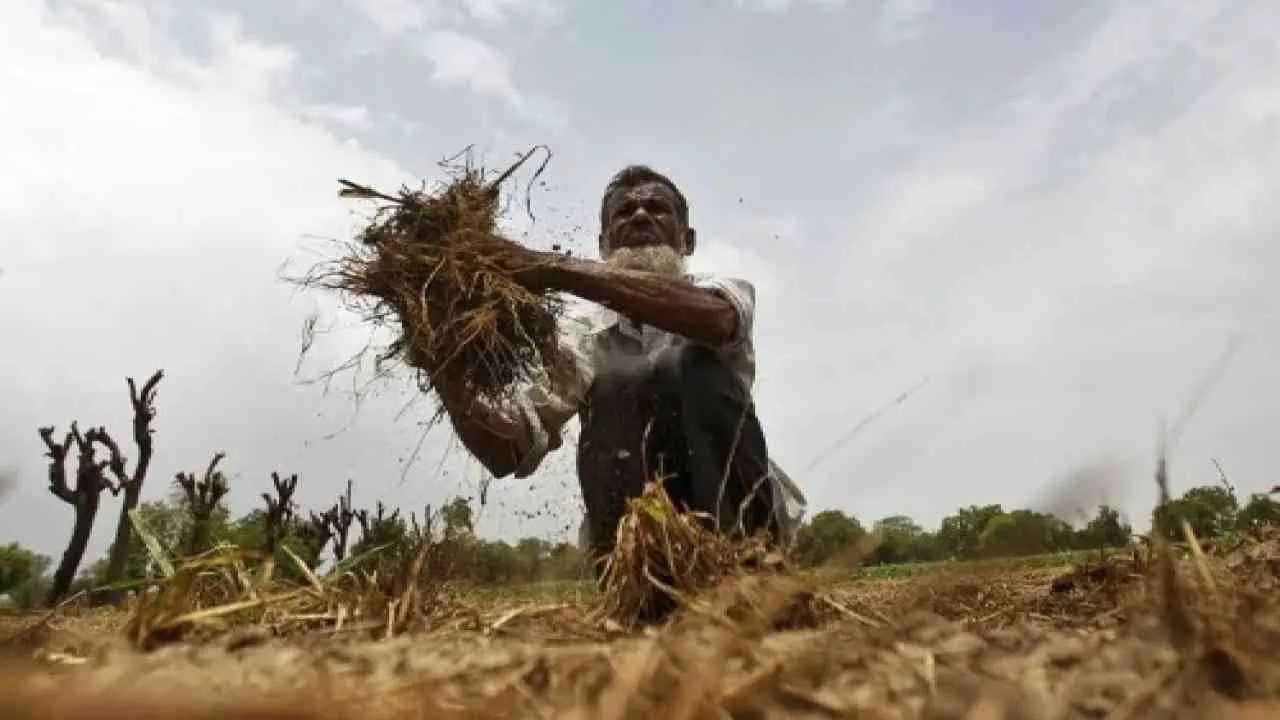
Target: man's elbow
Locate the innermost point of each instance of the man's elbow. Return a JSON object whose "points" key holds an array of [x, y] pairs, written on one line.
{"points": [[510, 462], [500, 463], [498, 458], [528, 464], [724, 333], [499, 469]]}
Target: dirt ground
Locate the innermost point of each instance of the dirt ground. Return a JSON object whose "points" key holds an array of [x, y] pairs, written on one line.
{"points": [[1108, 640]]}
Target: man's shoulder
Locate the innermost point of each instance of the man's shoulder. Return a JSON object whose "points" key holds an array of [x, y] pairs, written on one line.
{"points": [[585, 318], [704, 276], [738, 288]]}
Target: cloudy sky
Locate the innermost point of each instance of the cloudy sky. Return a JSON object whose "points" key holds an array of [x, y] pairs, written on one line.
{"points": [[1061, 217]]}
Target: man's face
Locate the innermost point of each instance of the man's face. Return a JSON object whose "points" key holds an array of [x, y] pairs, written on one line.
{"points": [[643, 216]]}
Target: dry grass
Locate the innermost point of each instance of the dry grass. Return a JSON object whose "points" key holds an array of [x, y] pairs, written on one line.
{"points": [[432, 268], [663, 556], [1093, 642], [212, 595], [880, 650]]}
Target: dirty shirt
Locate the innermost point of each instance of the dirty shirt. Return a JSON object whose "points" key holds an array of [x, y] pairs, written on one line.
{"points": [[545, 408]]}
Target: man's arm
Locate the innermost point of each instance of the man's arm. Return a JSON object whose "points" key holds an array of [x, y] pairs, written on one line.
{"points": [[667, 303], [491, 436], [512, 438]]}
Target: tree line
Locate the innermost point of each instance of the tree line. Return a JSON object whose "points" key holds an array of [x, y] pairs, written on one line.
{"points": [[989, 531], [194, 518]]}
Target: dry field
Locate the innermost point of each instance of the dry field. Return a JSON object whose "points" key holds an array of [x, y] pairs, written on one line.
{"points": [[1108, 640]]}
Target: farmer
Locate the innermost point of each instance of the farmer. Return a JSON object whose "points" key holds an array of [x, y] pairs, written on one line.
{"points": [[659, 374]]}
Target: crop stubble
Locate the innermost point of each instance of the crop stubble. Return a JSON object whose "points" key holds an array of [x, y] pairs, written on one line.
{"points": [[1002, 644]]}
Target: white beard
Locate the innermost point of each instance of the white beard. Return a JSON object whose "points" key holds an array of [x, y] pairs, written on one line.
{"points": [[658, 259]]}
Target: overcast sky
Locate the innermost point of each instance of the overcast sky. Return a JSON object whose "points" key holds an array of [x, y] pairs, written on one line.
{"points": [[1062, 215]]}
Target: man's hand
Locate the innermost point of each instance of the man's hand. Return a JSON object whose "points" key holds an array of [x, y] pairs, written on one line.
{"points": [[487, 433], [525, 265]]}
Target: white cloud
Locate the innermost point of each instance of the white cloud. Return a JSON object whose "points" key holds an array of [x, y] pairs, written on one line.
{"points": [[397, 18], [350, 117], [1065, 266], [503, 11], [776, 7], [394, 18], [460, 59], [766, 6], [143, 216], [242, 65], [445, 33], [899, 20], [126, 24]]}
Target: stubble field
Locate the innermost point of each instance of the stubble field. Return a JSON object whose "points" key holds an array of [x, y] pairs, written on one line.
{"points": [[1107, 639]]}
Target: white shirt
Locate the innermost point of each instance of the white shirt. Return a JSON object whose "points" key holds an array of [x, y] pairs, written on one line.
{"points": [[544, 408]]}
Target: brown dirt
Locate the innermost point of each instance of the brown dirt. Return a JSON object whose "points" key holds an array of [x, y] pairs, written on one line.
{"points": [[1091, 643]]}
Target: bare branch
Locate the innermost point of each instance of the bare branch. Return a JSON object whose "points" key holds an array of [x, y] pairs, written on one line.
{"points": [[144, 411], [213, 466], [84, 497], [339, 519], [203, 497], [57, 454], [366, 531], [115, 460], [279, 509], [317, 528], [206, 491], [91, 476], [422, 530]]}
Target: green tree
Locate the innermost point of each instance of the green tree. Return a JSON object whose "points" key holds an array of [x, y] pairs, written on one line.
{"points": [[565, 562], [1024, 532], [825, 535], [1210, 510], [493, 563], [532, 555], [1106, 529], [901, 541], [167, 523], [247, 532], [387, 537], [1261, 511], [170, 522], [19, 566], [32, 593], [459, 520], [960, 534]]}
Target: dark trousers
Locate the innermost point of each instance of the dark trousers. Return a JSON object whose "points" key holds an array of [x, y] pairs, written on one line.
{"points": [[681, 414]]}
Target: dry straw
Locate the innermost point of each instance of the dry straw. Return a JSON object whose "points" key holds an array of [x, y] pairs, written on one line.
{"points": [[432, 267], [663, 557]]}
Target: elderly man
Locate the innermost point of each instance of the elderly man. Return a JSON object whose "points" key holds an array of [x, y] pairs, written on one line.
{"points": [[660, 376]]}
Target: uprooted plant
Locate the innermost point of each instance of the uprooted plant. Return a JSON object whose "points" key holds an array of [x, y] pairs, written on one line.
{"points": [[433, 269]]}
